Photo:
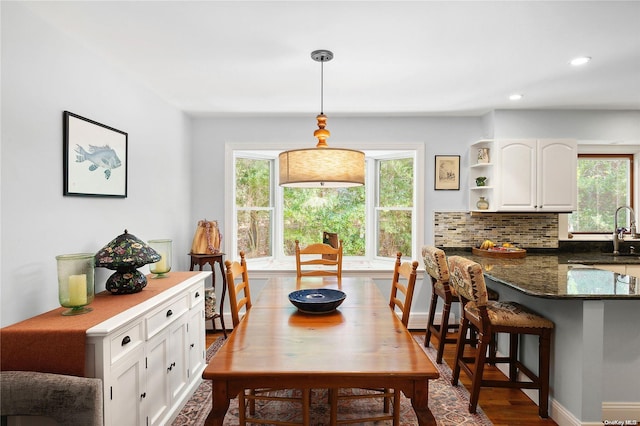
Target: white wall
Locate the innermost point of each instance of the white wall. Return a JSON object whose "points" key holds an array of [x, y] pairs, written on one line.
{"points": [[619, 127], [44, 72]]}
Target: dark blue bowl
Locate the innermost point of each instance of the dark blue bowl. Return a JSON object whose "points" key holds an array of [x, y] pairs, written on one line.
{"points": [[317, 301]]}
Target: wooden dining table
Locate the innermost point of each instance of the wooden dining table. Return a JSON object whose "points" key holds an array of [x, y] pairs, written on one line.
{"points": [[362, 344]]}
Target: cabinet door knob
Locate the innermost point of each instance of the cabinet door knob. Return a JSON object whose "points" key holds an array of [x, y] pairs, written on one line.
{"points": [[143, 395], [169, 313], [126, 340], [197, 294], [192, 345]]}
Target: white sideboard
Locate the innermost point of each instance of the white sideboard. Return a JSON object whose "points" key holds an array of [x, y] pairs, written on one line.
{"points": [[151, 356]]}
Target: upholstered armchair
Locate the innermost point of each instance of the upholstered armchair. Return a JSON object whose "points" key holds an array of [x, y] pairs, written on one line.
{"points": [[68, 400]]}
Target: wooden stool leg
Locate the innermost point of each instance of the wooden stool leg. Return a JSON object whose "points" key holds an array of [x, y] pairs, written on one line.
{"points": [[455, 375], [513, 356], [543, 373], [444, 326], [476, 380], [432, 314]]}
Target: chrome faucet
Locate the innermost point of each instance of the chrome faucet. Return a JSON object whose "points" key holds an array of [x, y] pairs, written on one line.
{"points": [[618, 234]]}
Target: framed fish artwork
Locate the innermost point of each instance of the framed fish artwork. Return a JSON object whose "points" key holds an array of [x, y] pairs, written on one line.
{"points": [[94, 158]]}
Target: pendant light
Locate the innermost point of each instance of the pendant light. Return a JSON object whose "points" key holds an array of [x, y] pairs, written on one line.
{"points": [[321, 167]]}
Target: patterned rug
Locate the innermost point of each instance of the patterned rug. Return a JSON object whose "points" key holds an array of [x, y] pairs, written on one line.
{"points": [[447, 403]]}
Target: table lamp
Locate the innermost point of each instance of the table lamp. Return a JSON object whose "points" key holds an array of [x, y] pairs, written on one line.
{"points": [[125, 254]]}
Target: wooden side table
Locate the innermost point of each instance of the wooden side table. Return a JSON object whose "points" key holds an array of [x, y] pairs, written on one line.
{"points": [[201, 260]]}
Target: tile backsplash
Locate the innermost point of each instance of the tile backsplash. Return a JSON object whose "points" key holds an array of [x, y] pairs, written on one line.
{"points": [[462, 229]]}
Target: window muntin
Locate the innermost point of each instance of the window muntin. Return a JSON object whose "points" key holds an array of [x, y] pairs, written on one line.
{"points": [[605, 182]]}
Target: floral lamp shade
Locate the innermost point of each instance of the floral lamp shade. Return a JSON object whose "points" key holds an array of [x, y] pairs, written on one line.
{"points": [[125, 254]]}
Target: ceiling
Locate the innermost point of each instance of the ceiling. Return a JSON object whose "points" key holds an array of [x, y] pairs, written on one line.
{"points": [[390, 57]]}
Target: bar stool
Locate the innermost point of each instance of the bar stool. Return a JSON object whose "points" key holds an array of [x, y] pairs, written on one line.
{"points": [[435, 263], [490, 317]]}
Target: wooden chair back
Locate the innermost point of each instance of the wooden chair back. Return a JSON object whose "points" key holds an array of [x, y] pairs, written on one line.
{"points": [[402, 287], [318, 253], [239, 289]]}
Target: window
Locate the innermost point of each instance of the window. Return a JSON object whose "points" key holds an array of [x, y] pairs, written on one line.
{"points": [[374, 222], [605, 182], [394, 208], [254, 206]]}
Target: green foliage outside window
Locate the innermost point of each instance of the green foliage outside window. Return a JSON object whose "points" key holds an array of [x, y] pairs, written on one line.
{"points": [[308, 212], [254, 204], [603, 186]]}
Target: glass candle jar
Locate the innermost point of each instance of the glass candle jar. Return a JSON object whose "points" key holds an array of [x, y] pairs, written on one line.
{"points": [[76, 282], [163, 248]]}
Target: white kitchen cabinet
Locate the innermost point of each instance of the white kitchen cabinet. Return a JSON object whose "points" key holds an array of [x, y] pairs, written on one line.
{"points": [[537, 175], [526, 175], [150, 357]]}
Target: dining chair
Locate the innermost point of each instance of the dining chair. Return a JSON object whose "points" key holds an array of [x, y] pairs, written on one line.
{"points": [[435, 264], [489, 317], [317, 257], [401, 297], [240, 303]]}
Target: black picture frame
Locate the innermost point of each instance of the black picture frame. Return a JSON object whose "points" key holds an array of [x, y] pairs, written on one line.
{"points": [[95, 158], [447, 173]]}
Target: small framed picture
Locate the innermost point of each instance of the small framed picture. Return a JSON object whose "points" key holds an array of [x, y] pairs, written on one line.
{"points": [[447, 172], [95, 158]]}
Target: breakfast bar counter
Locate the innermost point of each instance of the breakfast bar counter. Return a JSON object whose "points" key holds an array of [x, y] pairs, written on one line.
{"points": [[562, 275], [596, 342]]}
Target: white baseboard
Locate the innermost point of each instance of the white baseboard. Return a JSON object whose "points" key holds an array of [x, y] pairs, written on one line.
{"points": [[624, 412]]}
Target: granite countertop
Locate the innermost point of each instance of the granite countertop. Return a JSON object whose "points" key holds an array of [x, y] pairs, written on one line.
{"points": [[561, 275]]}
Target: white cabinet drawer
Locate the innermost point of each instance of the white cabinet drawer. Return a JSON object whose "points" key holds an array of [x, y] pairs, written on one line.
{"points": [[126, 341], [166, 314], [196, 295]]}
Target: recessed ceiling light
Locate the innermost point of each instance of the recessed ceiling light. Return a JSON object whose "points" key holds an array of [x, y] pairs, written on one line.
{"points": [[516, 97], [581, 60]]}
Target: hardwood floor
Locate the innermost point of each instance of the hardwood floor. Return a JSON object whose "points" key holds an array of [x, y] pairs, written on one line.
{"points": [[504, 407]]}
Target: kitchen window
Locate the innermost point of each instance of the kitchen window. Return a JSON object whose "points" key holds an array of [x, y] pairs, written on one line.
{"points": [[374, 221], [605, 182]]}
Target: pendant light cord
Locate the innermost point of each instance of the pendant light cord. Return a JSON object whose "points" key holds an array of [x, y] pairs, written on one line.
{"points": [[321, 87]]}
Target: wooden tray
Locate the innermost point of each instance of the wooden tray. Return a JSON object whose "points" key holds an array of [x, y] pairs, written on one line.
{"points": [[510, 253]]}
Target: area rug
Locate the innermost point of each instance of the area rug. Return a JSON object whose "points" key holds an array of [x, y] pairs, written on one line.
{"points": [[447, 403]]}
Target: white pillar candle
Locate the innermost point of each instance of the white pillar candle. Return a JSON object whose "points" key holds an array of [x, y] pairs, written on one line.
{"points": [[161, 265], [78, 290]]}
